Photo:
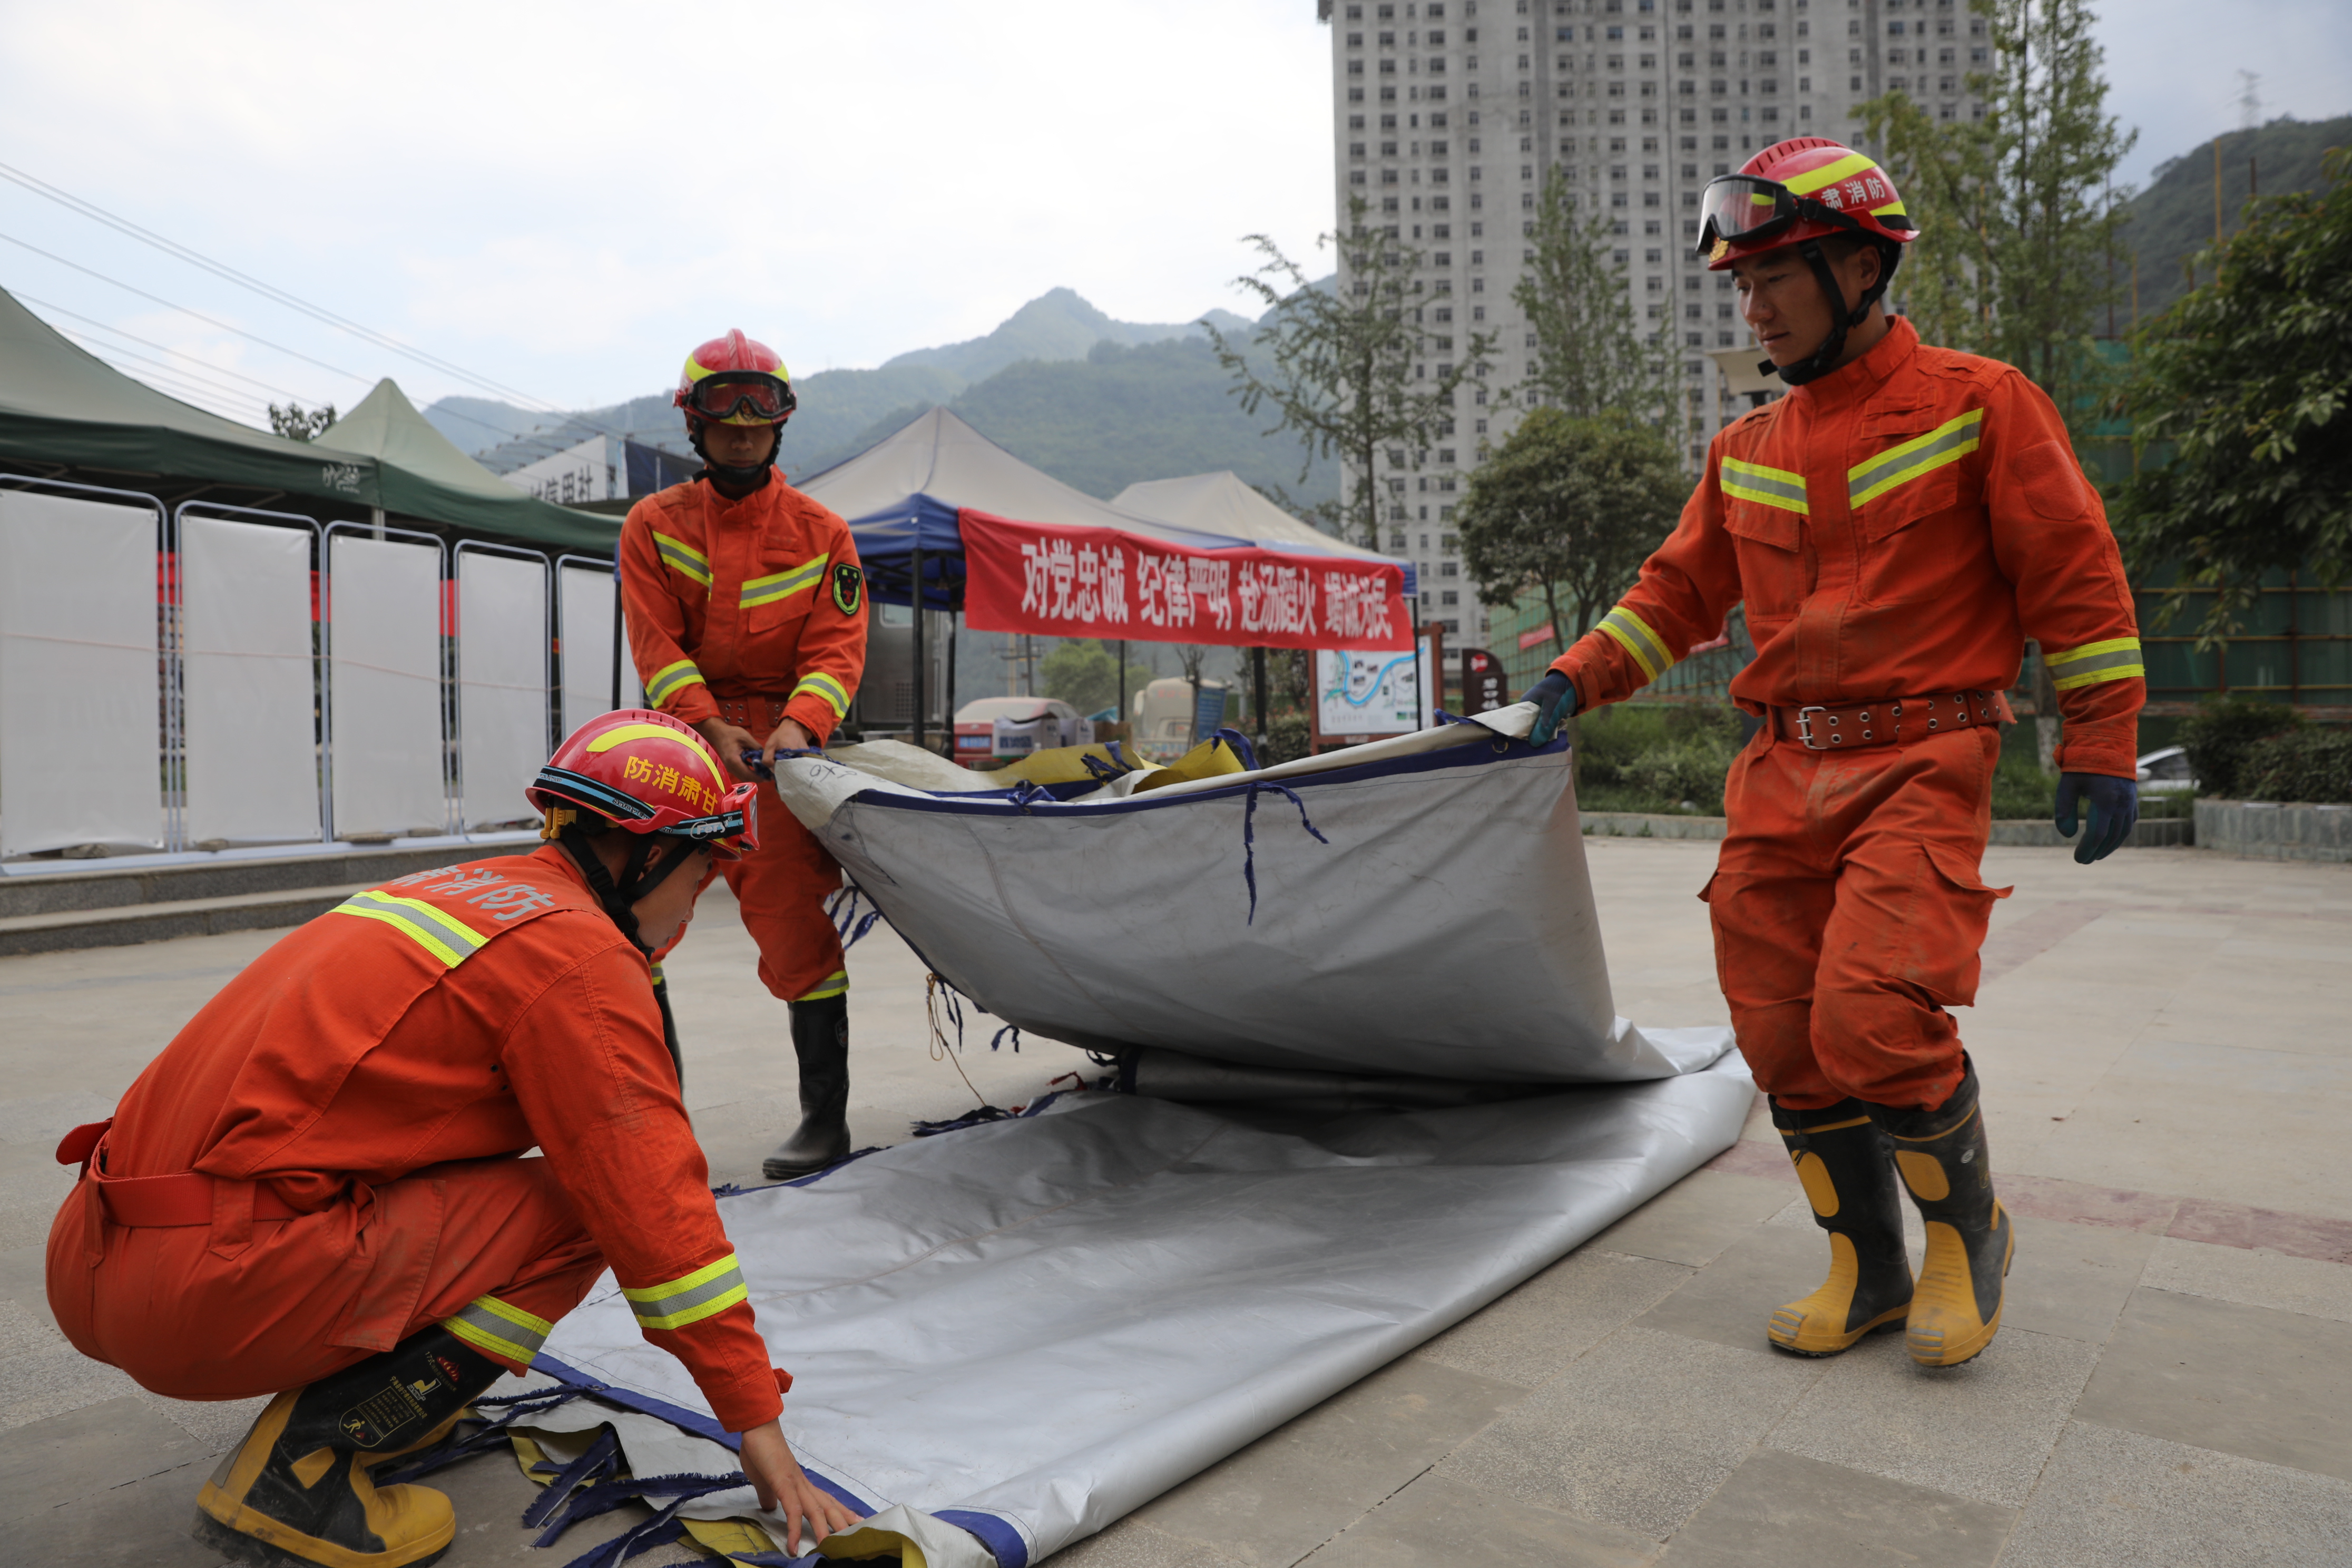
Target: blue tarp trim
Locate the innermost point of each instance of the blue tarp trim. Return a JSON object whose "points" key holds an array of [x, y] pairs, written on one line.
{"points": [[1000, 1537]]}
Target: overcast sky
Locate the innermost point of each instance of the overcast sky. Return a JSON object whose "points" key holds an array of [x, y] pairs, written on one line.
{"points": [[563, 199]]}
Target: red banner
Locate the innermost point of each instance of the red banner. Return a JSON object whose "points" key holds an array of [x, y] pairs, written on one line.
{"points": [[1101, 583]]}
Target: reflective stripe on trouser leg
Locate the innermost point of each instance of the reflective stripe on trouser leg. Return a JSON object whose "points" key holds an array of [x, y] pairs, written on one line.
{"points": [[500, 1328]]}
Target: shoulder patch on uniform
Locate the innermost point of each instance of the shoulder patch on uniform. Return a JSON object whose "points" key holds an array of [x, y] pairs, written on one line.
{"points": [[848, 588]]}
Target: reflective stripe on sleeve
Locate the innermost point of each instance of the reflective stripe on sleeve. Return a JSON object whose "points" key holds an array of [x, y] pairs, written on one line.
{"points": [[671, 679], [785, 584], [681, 556], [500, 1327], [1915, 459], [833, 984], [2117, 658], [690, 1297], [438, 932], [835, 694], [1648, 649], [1767, 487]]}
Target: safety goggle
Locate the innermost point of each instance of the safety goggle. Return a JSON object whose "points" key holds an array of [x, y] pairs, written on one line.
{"points": [[740, 395], [1741, 208], [732, 830]]}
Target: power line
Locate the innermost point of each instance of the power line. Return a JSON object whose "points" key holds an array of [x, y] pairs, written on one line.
{"points": [[199, 315], [270, 292], [91, 322], [113, 355], [179, 390]]}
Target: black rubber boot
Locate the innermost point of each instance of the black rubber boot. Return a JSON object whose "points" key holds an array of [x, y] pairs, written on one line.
{"points": [[297, 1493], [1848, 1172], [821, 1040], [1955, 1308]]}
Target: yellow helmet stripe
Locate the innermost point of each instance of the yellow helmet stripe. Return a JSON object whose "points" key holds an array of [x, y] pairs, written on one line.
{"points": [[1845, 168]]}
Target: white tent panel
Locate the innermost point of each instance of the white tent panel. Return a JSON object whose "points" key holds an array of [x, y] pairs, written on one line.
{"points": [[584, 604], [385, 686], [79, 699], [248, 682], [502, 649]]}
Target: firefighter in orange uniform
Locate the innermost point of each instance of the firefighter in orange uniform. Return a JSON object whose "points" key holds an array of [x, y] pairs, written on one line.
{"points": [[313, 1192], [1896, 526], [747, 617]]}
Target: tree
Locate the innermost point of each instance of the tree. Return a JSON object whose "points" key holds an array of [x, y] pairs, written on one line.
{"points": [[1085, 674], [1588, 357], [2018, 211], [1348, 368], [2246, 379], [296, 422], [1569, 509]]}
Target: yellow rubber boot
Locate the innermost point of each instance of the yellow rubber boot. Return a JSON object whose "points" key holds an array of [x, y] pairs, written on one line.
{"points": [[1955, 1308], [297, 1494], [1843, 1160]]}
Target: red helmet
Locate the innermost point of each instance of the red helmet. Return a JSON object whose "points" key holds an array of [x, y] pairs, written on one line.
{"points": [[648, 772], [735, 380], [1808, 188]]}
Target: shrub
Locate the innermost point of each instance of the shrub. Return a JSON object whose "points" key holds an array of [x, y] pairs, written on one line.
{"points": [[1288, 737], [2303, 765], [2020, 790], [2222, 735], [1654, 757]]}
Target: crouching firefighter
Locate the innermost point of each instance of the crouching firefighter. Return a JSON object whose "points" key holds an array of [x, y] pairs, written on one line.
{"points": [[747, 617], [315, 1192], [1896, 526]]}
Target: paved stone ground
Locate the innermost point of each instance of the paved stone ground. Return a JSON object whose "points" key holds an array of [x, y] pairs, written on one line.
{"points": [[2169, 1070]]}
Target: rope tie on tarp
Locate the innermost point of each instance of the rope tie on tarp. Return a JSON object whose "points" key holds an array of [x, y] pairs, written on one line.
{"points": [[486, 1435], [847, 923], [1249, 835], [606, 1496]]}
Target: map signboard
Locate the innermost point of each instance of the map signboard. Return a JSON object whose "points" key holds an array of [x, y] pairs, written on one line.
{"points": [[1361, 695]]}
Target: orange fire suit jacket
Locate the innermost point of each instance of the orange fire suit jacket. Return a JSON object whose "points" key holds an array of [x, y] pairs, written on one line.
{"points": [[1896, 529], [462, 1014], [757, 597]]}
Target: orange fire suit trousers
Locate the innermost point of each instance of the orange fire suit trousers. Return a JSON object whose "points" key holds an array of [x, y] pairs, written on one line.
{"points": [[781, 887], [1848, 912], [250, 1307]]}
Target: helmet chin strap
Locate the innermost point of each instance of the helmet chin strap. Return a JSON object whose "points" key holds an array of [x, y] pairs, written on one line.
{"points": [[1824, 359], [747, 477], [637, 879]]}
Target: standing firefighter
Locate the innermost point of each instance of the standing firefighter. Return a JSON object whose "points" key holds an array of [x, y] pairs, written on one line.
{"points": [[1896, 526], [314, 1191], [746, 615]]}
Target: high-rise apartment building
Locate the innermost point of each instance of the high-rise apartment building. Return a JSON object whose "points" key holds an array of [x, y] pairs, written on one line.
{"points": [[1448, 115]]}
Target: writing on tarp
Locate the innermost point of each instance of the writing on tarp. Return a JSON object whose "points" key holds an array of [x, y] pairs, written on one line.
{"points": [[1087, 584]]}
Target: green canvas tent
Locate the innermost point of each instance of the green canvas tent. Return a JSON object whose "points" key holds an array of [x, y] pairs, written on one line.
{"points": [[60, 404], [63, 407], [422, 474]]}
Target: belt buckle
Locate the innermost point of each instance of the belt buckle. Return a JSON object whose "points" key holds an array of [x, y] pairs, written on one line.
{"points": [[1805, 726]]}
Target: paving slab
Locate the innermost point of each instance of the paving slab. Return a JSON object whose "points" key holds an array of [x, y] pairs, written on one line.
{"points": [[1439, 1518], [2255, 1276], [1298, 1486], [1784, 1511], [1694, 1220], [2111, 1498], [2252, 1381], [1131, 1543], [1531, 1335], [1979, 1430], [1638, 1433]]}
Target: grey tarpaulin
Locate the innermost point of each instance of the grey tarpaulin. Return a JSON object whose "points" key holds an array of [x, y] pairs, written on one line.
{"points": [[1029, 1328], [1443, 924]]}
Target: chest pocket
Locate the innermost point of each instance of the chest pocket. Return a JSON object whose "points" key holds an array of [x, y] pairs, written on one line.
{"points": [[1764, 510], [781, 595], [1912, 468]]}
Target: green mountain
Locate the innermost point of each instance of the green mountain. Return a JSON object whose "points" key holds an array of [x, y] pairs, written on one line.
{"points": [[2172, 220], [1096, 403]]}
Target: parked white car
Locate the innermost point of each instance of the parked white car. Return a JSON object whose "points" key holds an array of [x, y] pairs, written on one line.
{"points": [[2165, 772], [1009, 728]]}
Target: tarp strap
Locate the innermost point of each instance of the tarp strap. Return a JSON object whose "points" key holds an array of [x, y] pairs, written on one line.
{"points": [[1249, 837], [603, 1458], [842, 909], [462, 1444], [606, 1496], [998, 1038], [1242, 748]]}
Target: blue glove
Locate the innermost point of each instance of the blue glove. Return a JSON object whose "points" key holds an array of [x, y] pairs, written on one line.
{"points": [[2114, 808], [1555, 700]]}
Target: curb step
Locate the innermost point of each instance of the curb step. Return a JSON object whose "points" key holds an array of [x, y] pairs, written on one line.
{"points": [[126, 924]]}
